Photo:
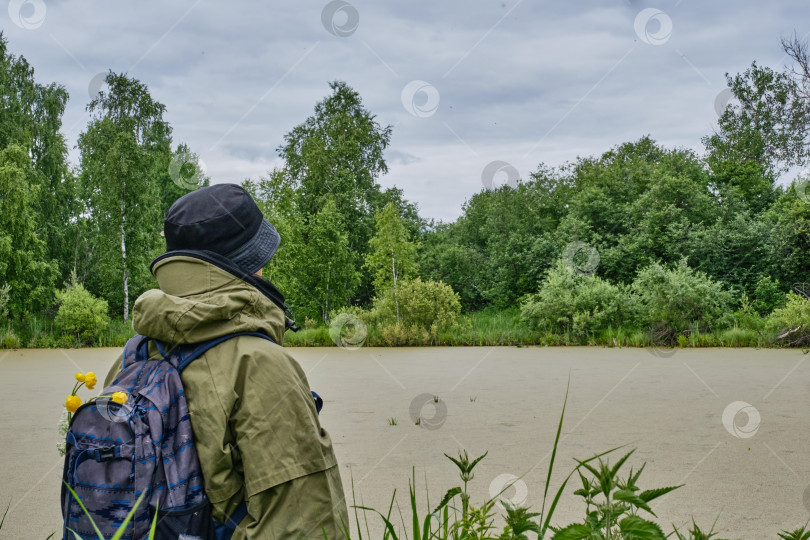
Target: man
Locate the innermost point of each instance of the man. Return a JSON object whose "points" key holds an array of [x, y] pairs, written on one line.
{"points": [[255, 423]]}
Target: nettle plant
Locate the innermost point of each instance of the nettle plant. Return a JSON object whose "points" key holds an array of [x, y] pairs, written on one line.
{"points": [[613, 504], [616, 508]]}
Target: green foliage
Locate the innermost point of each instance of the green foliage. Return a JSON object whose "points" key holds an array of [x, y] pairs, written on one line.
{"points": [[392, 256], [125, 146], [768, 296], [801, 533], [695, 533], [124, 523], [345, 239], [581, 305], [327, 275], [81, 314], [32, 119], [4, 297], [613, 504], [768, 126], [791, 323], [10, 340], [336, 155], [680, 299], [427, 305], [185, 173], [24, 264]]}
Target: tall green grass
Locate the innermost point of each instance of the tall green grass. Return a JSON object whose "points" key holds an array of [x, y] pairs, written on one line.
{"points": [[505, 327], [40, 332], [483, 328]]}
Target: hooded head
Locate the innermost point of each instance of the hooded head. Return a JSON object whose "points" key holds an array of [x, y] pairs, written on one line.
{"points": [[222, 218]]}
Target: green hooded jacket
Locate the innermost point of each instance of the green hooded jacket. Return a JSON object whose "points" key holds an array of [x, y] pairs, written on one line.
{"points": [[256, 429]]}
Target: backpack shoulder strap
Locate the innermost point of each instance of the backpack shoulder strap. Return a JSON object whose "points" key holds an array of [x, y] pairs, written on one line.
{"points": [[189, 355], [135, 350]]}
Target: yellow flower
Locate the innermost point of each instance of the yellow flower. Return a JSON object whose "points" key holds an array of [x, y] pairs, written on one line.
{"points": [[72, 403], [90, 380], [120, 397], [80, 377]]}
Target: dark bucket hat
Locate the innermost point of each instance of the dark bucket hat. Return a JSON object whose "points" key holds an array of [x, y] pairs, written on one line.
{"points": [[222, 218]]}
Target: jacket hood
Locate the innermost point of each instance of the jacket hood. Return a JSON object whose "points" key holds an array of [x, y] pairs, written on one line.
{"points": [[199, 300]]}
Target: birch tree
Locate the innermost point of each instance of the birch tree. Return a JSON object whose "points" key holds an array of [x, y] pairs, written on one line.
{"points": [[327, 277], [392, 257], [123, 151]]}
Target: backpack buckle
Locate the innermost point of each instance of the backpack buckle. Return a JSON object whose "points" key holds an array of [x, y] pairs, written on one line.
{"points": [[105, 454]]}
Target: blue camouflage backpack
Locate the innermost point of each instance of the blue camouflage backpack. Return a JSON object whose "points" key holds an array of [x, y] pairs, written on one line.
{"points": [[117, 452]]}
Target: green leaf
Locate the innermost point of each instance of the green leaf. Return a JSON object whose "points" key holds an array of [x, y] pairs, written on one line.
{"points": [[447, 498], [389, 528], [123, 528], [576, 531], [476, 460], [4, 515], [621, 462], [154, 524], [81, 504], [628, 496], [652, 494], [634, 477], [636, 528], [554, 453]]}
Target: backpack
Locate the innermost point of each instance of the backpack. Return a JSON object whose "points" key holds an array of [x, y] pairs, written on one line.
{"points": [[117, 452]]}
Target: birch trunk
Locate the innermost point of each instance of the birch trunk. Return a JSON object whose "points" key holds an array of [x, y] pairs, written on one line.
{"points": [[124, 253], [394, 272]]}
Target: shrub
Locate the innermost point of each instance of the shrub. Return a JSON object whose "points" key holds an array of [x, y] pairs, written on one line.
{"points": [[5, 291], [767, 296], [791, 324], [10, 340], [428, 305], [81, 315], [397, 334], [576, 304], [680, 300]]}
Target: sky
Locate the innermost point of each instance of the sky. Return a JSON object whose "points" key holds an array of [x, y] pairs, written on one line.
{"points": [[479, 92]]}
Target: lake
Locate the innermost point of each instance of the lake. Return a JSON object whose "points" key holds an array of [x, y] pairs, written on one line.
{"points": [[752, 470]]}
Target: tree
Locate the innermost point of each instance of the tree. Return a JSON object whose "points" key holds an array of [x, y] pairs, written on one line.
{"points": [[122, 151], [276, 198], [797, 49], [769, 126], [337, 154], [326, 277], [31, 118], [179, 175], [24, 265], [392, 256]]}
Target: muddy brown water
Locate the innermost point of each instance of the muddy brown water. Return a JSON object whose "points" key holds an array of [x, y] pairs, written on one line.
{"points": [[753, 471]]}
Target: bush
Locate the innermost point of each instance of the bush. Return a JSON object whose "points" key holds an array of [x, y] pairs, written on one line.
{"points": [[791, 324], [5, 291], [10, 340], [767, 296], [680, 300], [422, 305], [81, 315], [577, 304]]}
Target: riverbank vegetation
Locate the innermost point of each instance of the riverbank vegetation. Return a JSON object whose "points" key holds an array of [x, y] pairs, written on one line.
{"points": [[643, 245]]}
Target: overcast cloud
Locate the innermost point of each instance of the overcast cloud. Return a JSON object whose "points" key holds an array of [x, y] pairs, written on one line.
{"points": [[521, 81]]}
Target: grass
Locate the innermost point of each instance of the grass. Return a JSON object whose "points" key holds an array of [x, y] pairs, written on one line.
{"points": [[492, 328], [40, 332], [483, 328]]}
